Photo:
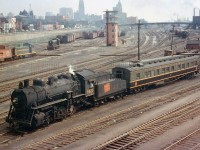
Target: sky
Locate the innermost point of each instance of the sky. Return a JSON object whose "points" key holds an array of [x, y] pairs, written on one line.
{"points": [[150, 10]]}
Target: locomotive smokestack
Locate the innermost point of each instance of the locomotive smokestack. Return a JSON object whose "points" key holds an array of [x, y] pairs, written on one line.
{"points": [[21, 85], [26, 83], [71, 70]]}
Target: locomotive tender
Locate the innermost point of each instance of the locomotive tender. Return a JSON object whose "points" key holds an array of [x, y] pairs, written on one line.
{"points": [[45, 102]]}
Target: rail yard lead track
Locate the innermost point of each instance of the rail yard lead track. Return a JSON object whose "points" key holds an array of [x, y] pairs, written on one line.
{"points": [[153, 128], [69, 136], [190, 142]]}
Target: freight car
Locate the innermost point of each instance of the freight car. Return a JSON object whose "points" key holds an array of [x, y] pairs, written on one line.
{"points": [[67, 38], [44, 102], [53, 44], [182, 33], [193, 45], [21, 51], [78, 35], [101, 34], [141, 75], [91, 35]]}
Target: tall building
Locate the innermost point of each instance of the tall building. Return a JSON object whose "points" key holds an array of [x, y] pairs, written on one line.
{"points": [[80, 14], [122, 17], [81, 8], [49, 14], [118, 7], [66, 12]]}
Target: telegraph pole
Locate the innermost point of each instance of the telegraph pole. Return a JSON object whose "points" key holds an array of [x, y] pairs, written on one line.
{"points": [[107, 20], [172, 41], [139, 40]]}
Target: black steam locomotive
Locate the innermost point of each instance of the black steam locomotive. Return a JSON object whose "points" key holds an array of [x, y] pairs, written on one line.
{"points": [[45, 102]]}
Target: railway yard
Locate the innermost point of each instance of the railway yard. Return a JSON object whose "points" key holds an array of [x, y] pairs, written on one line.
{"points": [[165, 117]]}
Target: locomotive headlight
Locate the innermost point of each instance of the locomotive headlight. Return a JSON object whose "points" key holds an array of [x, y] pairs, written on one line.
{"points": [[15, 101]]}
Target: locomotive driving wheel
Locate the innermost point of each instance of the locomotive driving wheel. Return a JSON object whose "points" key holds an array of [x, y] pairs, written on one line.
{"points": [[71, 110], [62, 112]]}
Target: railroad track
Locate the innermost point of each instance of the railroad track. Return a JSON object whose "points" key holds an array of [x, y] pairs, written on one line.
{"points": [[153, 128], [190, 142], [2, 117], [69, 136]]}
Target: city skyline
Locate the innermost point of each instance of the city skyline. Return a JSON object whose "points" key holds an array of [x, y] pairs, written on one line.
{"points": [[155, 10]]}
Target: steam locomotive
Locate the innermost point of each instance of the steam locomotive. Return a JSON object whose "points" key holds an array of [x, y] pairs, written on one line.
{"points": [[61, 95], [45, 102]]}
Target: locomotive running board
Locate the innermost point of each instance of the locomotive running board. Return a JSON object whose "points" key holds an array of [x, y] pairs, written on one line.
{"points": [[48, 104], [85, 102]]}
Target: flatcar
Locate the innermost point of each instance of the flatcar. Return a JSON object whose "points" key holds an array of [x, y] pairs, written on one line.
{"points": [[141, 75], [61, 95], [53, 44], [20, 51]]}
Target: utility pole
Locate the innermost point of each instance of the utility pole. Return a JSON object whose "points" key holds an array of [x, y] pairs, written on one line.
{"points": [[172, 41], [139, 40], [107, 20]]}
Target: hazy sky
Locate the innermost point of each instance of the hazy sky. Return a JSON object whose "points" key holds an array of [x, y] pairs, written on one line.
{"points": [[151, 10]]}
